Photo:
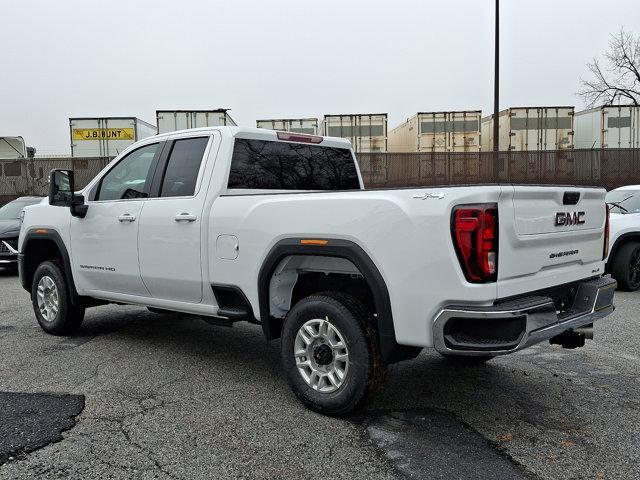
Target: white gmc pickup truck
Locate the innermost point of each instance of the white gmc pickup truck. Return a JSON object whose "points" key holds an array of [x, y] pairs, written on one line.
{"points": [[274, 228]]}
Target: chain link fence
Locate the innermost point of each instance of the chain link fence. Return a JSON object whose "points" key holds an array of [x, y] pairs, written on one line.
{"points": [[31, 176], [609, 168]]}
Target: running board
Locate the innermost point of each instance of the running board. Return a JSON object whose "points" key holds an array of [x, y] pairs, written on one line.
{"points": [[226, 317], [235, 314]]}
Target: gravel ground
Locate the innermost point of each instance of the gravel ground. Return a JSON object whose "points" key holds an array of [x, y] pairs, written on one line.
{"points": [[169, 396]]}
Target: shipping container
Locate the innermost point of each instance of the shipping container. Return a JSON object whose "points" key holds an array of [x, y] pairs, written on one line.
{"points": [[608, 127], [106, 136], [12, 147], [367, 132], [438, 132], [530, 129], [295, 125], [173, 120]]}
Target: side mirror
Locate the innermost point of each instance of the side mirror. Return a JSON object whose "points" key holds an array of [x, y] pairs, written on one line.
{"points": [[60, 188], [61, 193]]}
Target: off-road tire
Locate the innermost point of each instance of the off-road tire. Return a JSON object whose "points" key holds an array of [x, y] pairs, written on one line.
{"points": [[365, 371]]}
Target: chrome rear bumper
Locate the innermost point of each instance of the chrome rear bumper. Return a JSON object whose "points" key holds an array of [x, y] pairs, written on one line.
{"points": [[511, 326]]}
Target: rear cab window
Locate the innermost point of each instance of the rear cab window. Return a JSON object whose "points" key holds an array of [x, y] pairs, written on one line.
{"points": [[276, 165]]}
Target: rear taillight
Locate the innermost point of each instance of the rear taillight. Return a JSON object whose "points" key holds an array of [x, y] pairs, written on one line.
{"points": [[605, 249], [474, 229]]}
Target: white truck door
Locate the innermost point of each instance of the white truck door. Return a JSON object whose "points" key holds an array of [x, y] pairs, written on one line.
{"points": [[171, 224], [104, 244]]}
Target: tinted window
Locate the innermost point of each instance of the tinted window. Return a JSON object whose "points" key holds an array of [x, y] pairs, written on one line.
{"points": [[263, 164], [128, 179], [183, 166]]}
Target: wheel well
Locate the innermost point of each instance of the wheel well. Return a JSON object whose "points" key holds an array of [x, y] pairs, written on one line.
{"points": [[298, 276], [622, 240], [314, 282], [37, 251], [341, 260]]}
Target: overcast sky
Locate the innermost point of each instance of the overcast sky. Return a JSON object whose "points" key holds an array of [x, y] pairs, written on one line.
{"points": [[283, 58]]}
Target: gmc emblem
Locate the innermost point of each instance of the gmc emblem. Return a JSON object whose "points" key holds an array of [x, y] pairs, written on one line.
{"points": [[569, 218]]}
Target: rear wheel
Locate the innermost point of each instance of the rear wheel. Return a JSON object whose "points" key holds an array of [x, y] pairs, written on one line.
{"points": [[330, 353], [51, 301], [625, 266]]}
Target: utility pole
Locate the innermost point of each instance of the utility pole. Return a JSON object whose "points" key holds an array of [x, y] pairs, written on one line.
{"points": [[496, 93]]}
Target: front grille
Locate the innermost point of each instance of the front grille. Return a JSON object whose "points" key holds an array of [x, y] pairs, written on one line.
{"points": [[3, 248]]}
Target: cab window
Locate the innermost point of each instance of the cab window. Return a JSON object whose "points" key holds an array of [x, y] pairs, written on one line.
{"points": [[183, 166], [128, 179]]}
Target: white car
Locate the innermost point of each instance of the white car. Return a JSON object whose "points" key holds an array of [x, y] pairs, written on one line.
{"points": [[624, 254], [275, 228]]}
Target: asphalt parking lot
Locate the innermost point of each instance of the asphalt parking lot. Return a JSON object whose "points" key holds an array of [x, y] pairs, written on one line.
{"points": [[140, 395]]}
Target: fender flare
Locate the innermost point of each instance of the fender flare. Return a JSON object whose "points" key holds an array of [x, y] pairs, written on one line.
{"points": [[333, 248], [35, 233]]}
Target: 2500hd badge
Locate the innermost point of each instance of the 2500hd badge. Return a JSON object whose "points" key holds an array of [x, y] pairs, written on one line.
{"points": [[97, 267]]}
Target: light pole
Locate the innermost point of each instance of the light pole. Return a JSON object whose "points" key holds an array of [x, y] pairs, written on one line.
{"points": [[496, 92]]}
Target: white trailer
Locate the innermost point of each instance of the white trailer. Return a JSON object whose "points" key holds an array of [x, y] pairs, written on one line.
{"points": [[608, 126], [438, 132], [530, 129], [106, 136], [173, 120], [295, 125], [367, 132], [12, 147]]}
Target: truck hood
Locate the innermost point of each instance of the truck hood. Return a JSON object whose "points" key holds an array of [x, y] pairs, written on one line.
{"points": [[7, 226]]}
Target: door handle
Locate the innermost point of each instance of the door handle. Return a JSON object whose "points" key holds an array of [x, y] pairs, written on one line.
{"points": [[127, 217], [185, 217]]}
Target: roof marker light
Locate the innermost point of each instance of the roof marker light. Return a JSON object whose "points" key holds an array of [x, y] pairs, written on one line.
{"points": [[299, 137]]}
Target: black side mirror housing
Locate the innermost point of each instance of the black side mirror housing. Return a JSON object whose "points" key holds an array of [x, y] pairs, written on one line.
{"points": [[62, 193], [78, 207]]}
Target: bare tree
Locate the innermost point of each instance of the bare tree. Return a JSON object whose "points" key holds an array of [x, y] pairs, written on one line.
{"points": [[619, 79]]}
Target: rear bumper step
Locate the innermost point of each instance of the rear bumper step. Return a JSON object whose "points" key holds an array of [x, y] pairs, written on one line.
{"points": [[517, 324]]}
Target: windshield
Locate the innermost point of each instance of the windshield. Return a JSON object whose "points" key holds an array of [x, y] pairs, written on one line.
{"points": [[624, 201], [11, 211]]}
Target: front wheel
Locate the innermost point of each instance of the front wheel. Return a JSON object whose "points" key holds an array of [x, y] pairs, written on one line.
{"points": [[330, 353], [51, 301], [625, 267]]}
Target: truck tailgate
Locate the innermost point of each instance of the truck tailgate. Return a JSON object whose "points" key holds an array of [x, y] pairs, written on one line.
{"points": [[549, 236]]}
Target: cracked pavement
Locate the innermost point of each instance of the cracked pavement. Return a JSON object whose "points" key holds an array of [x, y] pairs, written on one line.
{"points": [[171, 397]]}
